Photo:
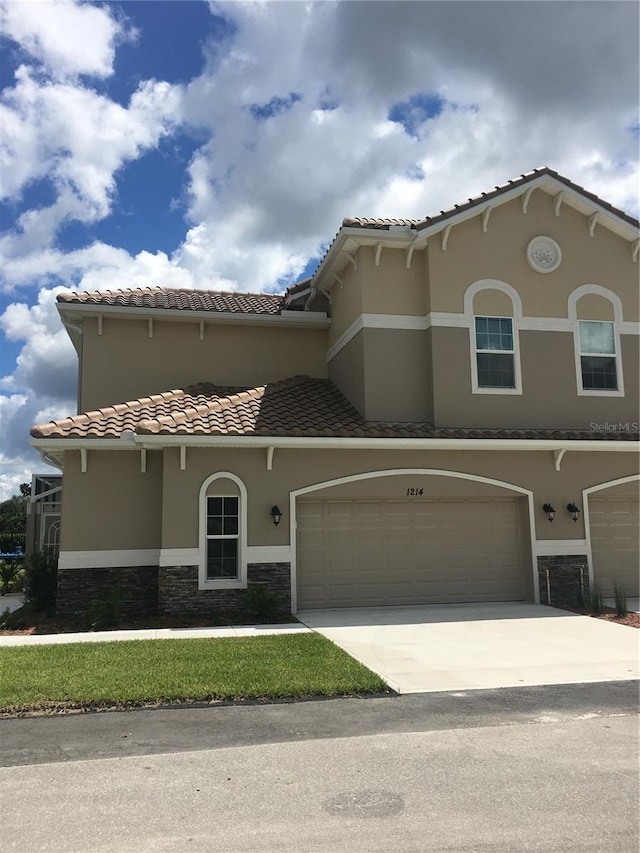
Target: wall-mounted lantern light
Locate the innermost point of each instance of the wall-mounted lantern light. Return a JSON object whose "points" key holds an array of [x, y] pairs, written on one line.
{"points": [[551, 513], [573, 510], [276, 515]]}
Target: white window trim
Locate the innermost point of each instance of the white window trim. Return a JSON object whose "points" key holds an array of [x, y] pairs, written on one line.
{"points": [[614, 299], [470, 293], [232, 583]]}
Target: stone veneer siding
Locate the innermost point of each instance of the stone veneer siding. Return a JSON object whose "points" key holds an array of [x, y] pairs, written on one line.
{"points": [[568, 581], [78, 587], [178, 591]]}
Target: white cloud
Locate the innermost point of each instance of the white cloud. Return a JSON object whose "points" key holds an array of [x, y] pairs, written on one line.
{"points": [[69, 38], [78, 140]]}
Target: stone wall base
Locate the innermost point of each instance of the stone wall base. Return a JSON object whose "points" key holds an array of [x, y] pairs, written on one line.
{"points": [[178, 591], [564, 581], [138, 586], [168, 590]]}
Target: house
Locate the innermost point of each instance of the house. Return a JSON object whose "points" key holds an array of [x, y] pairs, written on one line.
{"points": [[446, 411]]}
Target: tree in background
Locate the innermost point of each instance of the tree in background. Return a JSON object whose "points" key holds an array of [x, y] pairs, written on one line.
{"points": [[13, 521]]}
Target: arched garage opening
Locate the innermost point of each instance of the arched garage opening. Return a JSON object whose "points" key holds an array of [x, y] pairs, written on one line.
{"points": [[410, 536], [612, 527]]}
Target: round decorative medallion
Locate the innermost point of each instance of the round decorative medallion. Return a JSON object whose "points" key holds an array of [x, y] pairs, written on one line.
{"points": [[544, 254]]}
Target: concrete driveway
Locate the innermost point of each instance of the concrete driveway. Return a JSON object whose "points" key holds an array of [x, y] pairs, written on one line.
{"points": [[477, 646]]}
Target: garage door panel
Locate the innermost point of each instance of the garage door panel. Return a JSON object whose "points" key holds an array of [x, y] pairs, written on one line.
{"points": [[615, 525], [407, 552]]}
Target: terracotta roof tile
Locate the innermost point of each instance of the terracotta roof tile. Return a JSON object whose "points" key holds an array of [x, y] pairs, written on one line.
{"points": [[300, 406], [179, 300]]}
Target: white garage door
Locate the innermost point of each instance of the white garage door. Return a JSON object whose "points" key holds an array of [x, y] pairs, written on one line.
{"points": [[615, 530], [376, 552]]}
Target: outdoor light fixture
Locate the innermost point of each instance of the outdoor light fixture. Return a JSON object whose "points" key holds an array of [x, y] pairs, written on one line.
{"points": [[276, 515], [551, 513], [574, 512]]}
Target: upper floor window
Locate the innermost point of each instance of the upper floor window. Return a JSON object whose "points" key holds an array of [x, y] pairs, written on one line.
{"points": [[495, 352], [598, 355]]}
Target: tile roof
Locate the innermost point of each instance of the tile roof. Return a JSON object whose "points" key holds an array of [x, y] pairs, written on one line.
{"points": [[428, 221], [180, 300], [300, 406]]}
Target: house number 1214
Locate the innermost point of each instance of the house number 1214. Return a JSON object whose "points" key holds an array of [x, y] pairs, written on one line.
{"points": [[415, 492]]}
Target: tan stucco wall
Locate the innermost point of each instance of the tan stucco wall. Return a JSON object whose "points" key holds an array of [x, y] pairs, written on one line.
{"points": [[112, 506], [397, 375], [124, 363], [390, 288], [500, 253], [594, 307], [549, 399], [293, 469], [346, 371], [394, 382], [346, 300]]}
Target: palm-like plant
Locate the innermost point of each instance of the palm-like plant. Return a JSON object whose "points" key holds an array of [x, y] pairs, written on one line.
{"points": [[8, 573]]}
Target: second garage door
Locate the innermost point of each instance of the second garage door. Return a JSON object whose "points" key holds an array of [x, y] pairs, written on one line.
{"points": [[615, 523], [375, 552]]}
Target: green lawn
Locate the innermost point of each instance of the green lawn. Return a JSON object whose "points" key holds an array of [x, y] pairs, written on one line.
{"points": [[85, 675]]}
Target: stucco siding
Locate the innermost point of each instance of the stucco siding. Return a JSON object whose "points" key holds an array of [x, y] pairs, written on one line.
{"points": [[113, 506], [500, 253], [124, 363], [549, 396]]}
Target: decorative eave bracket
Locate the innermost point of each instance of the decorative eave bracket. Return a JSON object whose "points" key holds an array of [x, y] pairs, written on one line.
{"points": [[593, 221], [378, 253], [557, 203], [485, 218], [557, 457], [445, 237], [525, 199]]}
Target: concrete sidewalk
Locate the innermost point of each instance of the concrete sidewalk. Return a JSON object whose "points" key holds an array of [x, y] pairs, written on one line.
{"points": [[152, 634]]}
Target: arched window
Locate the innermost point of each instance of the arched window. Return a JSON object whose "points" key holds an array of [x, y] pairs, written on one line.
{"points": [[493, 310], [223, 532], [596, 315]]}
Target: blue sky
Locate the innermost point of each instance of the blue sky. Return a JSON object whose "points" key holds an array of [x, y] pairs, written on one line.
{"points": [[220, 145]]}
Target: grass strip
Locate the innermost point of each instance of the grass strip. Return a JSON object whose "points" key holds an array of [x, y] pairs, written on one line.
{"points": [[85, 675]]}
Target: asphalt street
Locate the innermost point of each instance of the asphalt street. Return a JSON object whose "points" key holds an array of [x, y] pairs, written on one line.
{"points": [[528, 769]]}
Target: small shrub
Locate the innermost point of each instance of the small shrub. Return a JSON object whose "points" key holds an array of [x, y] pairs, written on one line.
{"points": [[5, 620], [41, 579], [104, 612], [8, 575], [262, 605], [597, 605], [620, 598]]}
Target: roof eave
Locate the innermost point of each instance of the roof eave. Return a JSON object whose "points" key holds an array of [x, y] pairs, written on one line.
{"points": [[158, 442]]}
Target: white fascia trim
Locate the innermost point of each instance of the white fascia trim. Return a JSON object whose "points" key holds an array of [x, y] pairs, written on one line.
{"points": [[268, 554], [108, 559], [288, 318], [179, 556], [156, 442], [557, 547]]}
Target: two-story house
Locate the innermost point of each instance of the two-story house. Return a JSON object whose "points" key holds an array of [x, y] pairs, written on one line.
{"points": [[446, 411]]}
